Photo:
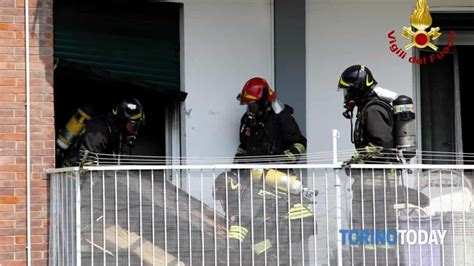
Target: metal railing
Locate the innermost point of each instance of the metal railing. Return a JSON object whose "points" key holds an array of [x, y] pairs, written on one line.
{"points": [[168, 215]]}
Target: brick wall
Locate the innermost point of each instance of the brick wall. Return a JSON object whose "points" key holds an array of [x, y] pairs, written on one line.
{"points": [[12, 129]]}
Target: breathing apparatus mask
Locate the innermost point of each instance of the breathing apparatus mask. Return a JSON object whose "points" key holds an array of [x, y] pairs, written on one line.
{"points": [[130, 116], [130, 131], [255, 110]]}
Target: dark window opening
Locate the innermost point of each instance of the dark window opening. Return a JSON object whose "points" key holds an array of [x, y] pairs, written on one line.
{"points": [[446, 118], [446, 93], [108, 52]]}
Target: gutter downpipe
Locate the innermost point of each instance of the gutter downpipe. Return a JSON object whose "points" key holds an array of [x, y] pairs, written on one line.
{"points": [[272, 44], [28, 136]]}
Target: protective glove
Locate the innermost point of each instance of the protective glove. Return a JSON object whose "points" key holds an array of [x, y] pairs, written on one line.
{"points": [[308, 194]]}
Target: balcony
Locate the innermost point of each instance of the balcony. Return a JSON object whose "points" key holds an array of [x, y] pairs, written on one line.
{"points": [[151, 214]]}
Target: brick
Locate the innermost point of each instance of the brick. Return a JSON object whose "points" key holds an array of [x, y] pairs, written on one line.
{"points": [[12, 74], [34, 239], [39, 199], [11, 58], [15, 263], [37, 100], [7, 19], [33, 82], [7, 82], [7, 240], [39, 246], [6, 256], [7, 191], [6, 113], [48, 160], [11, 42], [11, 247], [12, 89], [34, 255], [20, 97], [12, 120], [6, 160], [40, 183], [42, 262], [12, 168], [20, 176], [43, 121], [7, 3], [39, 231], [12, 26], [6, 66], [20, 160], [7, 223], [7, 175], [13, 136], [34, 207], [11, 11], [9, 183], [19, 113], [12, 199], [7, 97], [6, 208], [42, 89], [34, 192], [12, 105], [7, 152]]}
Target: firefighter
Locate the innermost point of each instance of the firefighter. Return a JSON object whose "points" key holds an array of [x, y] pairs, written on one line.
{"points": [[374, 143], [372, 135], [269, 132], [268, 128], [106, 134]]}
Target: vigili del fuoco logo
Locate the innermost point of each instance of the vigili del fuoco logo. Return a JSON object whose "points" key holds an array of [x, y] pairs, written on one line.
{"points": [[420, 34]]}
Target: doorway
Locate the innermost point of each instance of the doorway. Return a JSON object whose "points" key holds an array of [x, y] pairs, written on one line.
{"points": [[106, 51], [446, 106]]}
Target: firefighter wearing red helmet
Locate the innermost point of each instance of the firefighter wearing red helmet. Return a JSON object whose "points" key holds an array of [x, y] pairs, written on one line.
{"points": [[268, 128]]}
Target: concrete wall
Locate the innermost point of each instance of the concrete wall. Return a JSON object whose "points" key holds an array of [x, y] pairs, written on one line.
{"points": [[225, 44], [346, 32], [340, 34], [290, 56]]}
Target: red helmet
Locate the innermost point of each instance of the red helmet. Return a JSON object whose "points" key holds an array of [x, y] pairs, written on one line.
{"points": [[254, 90]]}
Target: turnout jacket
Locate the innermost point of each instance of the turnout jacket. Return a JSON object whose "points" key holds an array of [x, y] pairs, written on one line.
{"points": [[100, 136], [374, 125], [373, 133], [272, 134]]}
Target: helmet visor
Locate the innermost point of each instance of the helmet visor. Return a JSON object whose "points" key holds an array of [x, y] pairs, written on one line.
{"points": [[132, 126]]}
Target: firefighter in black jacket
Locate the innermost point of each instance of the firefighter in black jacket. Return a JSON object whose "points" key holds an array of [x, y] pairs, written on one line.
{"points": [[106, 134], [372, 135], [374, 142], [268, 128], [268, 134]]}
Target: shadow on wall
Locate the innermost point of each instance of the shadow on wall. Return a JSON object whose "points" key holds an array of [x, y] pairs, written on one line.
{"points": [[41, 29]]}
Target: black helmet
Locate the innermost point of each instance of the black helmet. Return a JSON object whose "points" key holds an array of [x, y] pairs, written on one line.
{"points": [[129, 116], [357, 83], [129, 109]]}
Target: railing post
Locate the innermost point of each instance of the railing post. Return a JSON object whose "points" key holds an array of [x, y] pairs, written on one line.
{"points": [[78, 218], [338, 217], [335, 136]]}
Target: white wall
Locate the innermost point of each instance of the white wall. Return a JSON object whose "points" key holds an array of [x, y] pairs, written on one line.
{"points": [[340, 34], [225, 43]]}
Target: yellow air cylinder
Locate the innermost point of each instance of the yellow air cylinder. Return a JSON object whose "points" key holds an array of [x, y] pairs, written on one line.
{"points": [[278, 179], [74, 127]]}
